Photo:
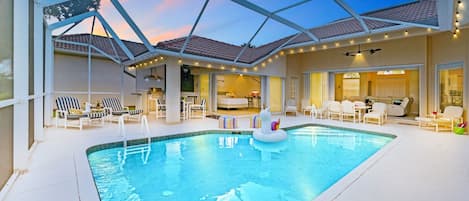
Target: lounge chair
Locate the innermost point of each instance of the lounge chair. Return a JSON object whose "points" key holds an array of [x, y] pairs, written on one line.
{"points": [[445, 120], [114, 107], [378, 113], [69, 111]]}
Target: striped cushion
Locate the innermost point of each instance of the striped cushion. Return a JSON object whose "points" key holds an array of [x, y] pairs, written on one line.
{"points": [[65, 103], [134, 112], [113, 103], [255, 121], [96, 115], [227, 122]]}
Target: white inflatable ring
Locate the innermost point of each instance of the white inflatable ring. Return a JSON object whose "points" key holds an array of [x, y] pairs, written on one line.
{"points": [[274, 136]]}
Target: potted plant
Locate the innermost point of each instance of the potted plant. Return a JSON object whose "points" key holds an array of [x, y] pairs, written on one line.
{"points": [[460, 128]]}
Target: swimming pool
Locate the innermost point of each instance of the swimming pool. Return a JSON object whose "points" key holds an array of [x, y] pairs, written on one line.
{"points": [[222, 166]]}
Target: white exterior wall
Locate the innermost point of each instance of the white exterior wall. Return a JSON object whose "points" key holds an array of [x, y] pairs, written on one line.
{"points": [[71, 79]]}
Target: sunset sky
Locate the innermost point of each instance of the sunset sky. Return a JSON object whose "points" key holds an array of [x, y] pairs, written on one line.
{"points": [[222, 20]]}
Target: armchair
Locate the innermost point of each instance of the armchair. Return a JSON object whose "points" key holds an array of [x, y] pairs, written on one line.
{"points": [[399, 110]]}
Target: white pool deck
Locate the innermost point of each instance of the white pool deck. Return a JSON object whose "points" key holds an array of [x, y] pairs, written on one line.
{"points": [[418, 165]]}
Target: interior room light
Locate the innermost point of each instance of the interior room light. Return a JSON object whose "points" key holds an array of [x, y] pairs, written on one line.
{"points": [[282, 53], [161, 58], [359, 53], [368, 39], [458, 15], [455, 35], [276, 56], [301, 49], [233, 69], [255, 68], [406, 33], [457, 30], [241, 75], [222, 67], [337, 44], [270, 60], [179, 61], [324, 46], [209, 66], [196, 63], [313, 48], [456, 23], [386, 35], [156, 60], [429, 29], [352, 41], [245, 70], [263, 64]]}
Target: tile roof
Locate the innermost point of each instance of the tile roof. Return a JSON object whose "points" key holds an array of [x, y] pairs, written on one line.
{"points": [[102, 43], [423, 12]]}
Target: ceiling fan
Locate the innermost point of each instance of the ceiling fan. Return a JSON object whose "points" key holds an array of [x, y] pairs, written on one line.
{"points": [[360, 52], [152, 77]]}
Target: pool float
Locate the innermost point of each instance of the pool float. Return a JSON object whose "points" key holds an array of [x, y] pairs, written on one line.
{"points": [[269, 131]]}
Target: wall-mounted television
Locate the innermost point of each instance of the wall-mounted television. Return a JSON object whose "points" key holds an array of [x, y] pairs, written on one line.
{"points": [[187, 79]]}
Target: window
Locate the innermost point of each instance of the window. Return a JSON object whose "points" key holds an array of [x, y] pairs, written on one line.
{"points": [[31, 47], [6, 49], [6, 144], [351, 85]]}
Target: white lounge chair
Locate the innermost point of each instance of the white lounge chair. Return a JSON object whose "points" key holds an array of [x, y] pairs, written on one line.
{"points": [[445, 120], [114, 107], [378, 113], [64, 113]]}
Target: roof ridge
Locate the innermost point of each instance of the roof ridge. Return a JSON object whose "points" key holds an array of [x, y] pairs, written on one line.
{"points": [[197, 36], [99, 36]]}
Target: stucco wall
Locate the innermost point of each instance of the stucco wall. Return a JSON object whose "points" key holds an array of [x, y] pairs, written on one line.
{"points": [[71, 75]]}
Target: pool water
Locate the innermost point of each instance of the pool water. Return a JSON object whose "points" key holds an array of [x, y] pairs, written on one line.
{"points": [[229, 167]]}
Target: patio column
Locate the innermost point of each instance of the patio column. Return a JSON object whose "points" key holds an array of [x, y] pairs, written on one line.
{"points": [[173, 91]]}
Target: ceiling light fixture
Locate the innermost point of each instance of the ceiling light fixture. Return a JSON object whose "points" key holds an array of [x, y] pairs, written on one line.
{"points": [[147, 78], [360, 52]]}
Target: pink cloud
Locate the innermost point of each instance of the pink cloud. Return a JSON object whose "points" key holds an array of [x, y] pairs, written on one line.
{"points": [[168, 4], [171, 34]]}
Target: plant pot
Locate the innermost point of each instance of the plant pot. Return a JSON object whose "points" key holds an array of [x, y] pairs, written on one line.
{"points": [[459, 130]]}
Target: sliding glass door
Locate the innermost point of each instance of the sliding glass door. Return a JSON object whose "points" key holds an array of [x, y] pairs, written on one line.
{"points": [[450, 87]]}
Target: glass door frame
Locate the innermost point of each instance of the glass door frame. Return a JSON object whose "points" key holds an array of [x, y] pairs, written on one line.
{"points": [[448, 66]]}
